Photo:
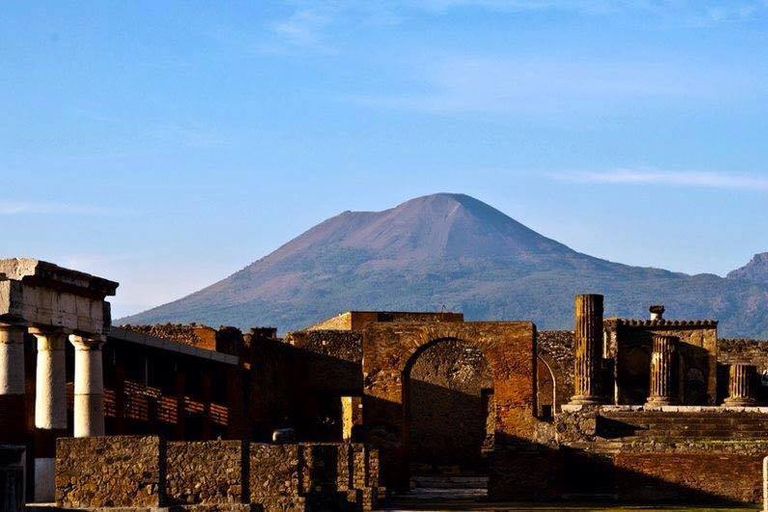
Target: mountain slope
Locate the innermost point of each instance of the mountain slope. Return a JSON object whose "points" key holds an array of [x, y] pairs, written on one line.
{"points": [[756, 270], [455, 251]]}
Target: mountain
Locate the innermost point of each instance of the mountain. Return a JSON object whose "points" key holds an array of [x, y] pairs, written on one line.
{"points": [[756, 270], [455, 251]]}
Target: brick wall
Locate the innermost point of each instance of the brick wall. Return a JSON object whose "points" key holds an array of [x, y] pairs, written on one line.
{"points": [[701, 477]]}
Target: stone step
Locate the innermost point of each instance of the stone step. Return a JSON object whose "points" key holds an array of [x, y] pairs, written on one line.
{"points": [[699, 435], [449, 482]]}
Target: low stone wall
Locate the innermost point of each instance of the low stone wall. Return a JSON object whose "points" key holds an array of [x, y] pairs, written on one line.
{"points": [[133, 471], [274, 477], [208, 472], [120, 471], [597, 447]]}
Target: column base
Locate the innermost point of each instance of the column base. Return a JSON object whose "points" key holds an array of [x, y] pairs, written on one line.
{"points": [[586, 400], [660, 401], [739, 402], [44, 480]]}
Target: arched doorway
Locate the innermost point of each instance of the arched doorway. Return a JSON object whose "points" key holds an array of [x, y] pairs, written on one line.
{"points": [[546, 390], [448, 408], [509, 348]]}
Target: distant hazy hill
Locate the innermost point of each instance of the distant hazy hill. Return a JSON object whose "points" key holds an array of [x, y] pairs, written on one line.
{"points": [[456, 251]]}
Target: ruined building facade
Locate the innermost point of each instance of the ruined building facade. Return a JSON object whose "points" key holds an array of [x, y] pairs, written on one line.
{"points": [[361, 406]]}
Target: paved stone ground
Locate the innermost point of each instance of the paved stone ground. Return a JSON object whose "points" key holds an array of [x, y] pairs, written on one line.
{"points": [[498, 507]]}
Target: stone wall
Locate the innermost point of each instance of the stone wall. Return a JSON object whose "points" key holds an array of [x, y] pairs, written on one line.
{"points": [[204, 472], [703, 454], [226, 340], [119, 471], [328, 366], [699, 477], [555, 348], [359, 320], [274, 477], [133, 471]]}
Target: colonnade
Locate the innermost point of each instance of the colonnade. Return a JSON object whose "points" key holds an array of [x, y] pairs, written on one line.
{"points": [[51, 393], [664, 372]]}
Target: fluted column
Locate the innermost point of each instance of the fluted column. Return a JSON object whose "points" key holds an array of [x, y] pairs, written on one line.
{"points": [[89, 386], [50, 407], [741, 385], [663, 372], [588, 340], [12, 392]]}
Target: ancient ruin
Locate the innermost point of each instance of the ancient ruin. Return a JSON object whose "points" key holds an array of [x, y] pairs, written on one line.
{"points": [[367, 408]]}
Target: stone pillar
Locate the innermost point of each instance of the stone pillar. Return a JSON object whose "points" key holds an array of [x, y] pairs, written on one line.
{"points": [[741, 385], [12, 384], [663, 372], [587, 348], [351, 416], [89, 386], [50, 407]]}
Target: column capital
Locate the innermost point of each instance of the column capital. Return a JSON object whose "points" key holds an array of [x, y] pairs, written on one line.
{"points": [[87, 342], [53, 338], [8, 329], [48, 331]]}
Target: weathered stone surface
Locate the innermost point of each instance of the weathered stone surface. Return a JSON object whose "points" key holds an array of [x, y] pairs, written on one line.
{"points": [[135, 472], [205, 472], [274, 477], [45, 294], [119, 471], [587, 349]]}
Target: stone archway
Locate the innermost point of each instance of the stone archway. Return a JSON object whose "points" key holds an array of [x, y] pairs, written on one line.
{"points": [[447, 408], [509, 348]]}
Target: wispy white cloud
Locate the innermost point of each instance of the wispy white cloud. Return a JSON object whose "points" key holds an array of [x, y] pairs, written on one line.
{"points": [[52, 208], [533, 84], [652, 176], [311, 22]]}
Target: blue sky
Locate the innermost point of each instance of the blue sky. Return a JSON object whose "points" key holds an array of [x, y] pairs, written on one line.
{"points": [[168, 144]]}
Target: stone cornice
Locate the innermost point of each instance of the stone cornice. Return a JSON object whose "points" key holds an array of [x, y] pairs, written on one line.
{"points": [[49, 275], [613, 323]]}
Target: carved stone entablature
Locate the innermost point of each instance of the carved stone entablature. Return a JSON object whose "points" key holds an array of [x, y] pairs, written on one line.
{"points": [[42, 294], [611, 324]]}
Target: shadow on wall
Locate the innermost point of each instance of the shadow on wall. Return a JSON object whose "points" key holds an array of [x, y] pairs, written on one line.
{"points": [[521, 470]]}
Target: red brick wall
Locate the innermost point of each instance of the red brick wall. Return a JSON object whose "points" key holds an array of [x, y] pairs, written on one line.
{"points": [[703, 477]]}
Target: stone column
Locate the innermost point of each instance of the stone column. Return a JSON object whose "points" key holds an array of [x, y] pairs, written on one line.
{"points": [[12, 386], [587, 348], [741, 385], [50, 408], [663, 372], [89, 386]]}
